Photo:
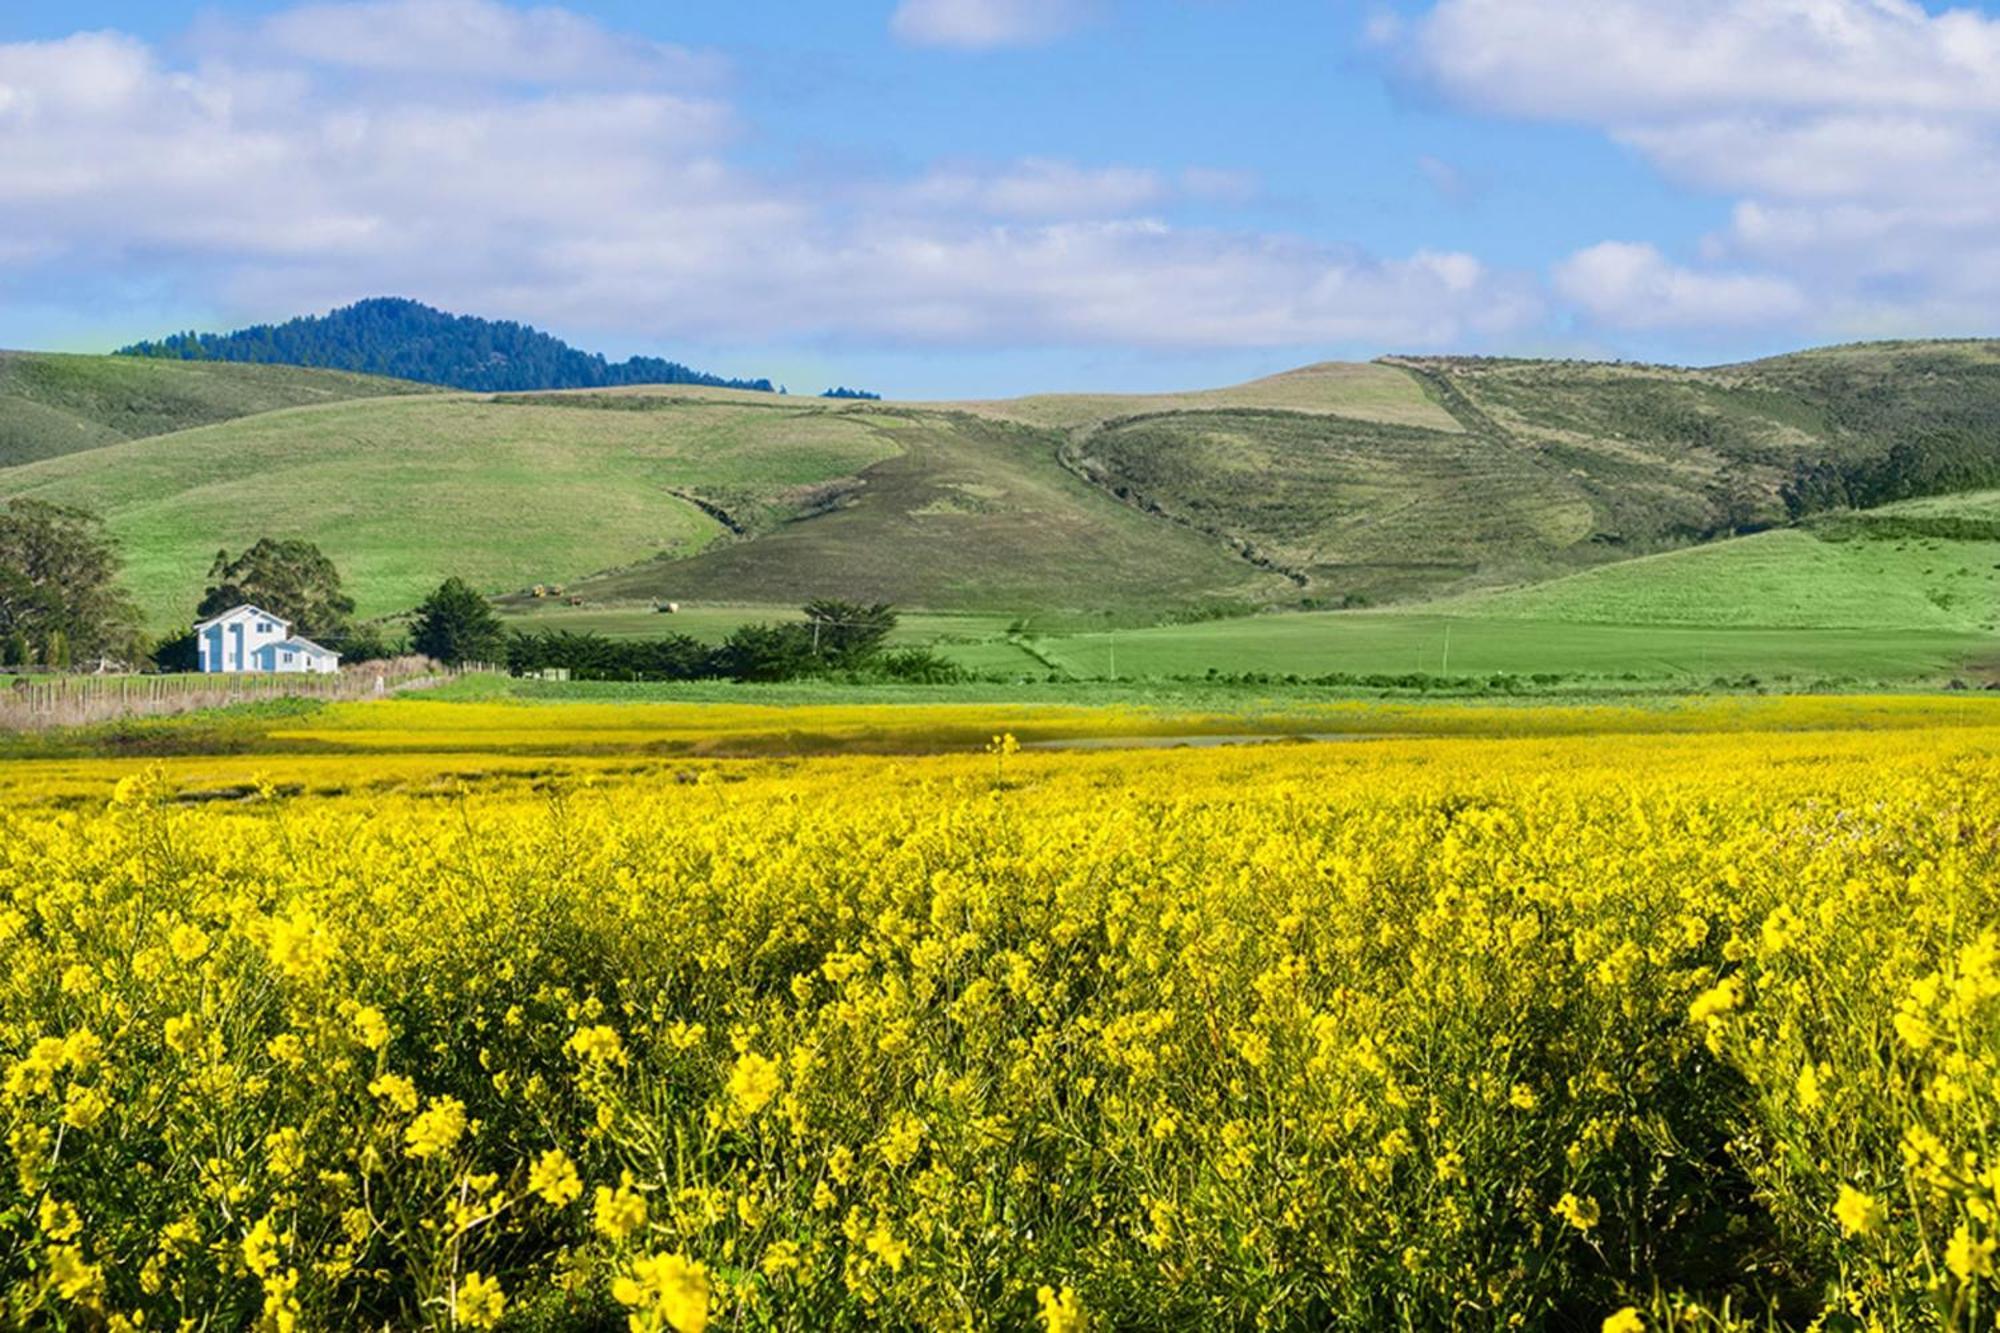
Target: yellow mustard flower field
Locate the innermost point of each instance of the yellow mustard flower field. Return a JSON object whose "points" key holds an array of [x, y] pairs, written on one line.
{"points": [[1630, 1027]]}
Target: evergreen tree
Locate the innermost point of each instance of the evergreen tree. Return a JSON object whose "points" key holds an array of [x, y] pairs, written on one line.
{"points": [[59, 590], [412, 341], [455, 624], [845, 633]]}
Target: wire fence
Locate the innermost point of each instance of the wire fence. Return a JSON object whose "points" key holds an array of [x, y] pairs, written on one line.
{"points": [[68, 701]]}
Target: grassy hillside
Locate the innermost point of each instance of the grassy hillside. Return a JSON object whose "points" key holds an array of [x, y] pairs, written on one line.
{"points": [[1394, 483], [401, 492], [1395, 643], [52, 405], [968, 514], [1372, 392], [1908, 592], [1504, 471], [1344, 509], [1789, 579]]}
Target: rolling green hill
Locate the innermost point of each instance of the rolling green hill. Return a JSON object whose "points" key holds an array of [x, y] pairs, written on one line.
{"points": [[52, 405], [1392, 484], [403, 491], [1907, 591], [965, 513], [1341, 485]]}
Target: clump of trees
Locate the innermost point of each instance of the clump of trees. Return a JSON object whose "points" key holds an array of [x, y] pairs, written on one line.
{"points": [[294, 580], [836, 638], [455, 624], [413, 341], [1935, 463], [61, 603]]}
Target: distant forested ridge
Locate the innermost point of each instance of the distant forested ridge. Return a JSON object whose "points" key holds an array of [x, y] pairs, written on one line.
{"points": [[411, 341]]}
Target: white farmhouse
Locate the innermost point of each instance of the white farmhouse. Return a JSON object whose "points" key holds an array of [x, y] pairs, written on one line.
{"points": [[249, 638]]}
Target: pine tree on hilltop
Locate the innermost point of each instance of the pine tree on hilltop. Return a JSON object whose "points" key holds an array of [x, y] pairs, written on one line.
{"points": [[412, 341]]}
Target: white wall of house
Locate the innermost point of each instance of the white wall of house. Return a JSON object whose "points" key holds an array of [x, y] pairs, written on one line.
{"points": [[230, 641], [295, 655]]}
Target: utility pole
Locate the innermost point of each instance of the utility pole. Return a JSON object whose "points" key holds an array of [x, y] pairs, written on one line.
{"points": [[1444, 668]]}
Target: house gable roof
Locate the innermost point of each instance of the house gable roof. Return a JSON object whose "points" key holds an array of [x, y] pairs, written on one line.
{"points": [[298, 645], [235, 611]]}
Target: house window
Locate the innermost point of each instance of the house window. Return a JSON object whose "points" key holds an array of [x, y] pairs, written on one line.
{"points": [[263, 627]]}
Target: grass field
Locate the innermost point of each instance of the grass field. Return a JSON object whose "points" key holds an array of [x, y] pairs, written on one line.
{"points": [[401, 493], [542, 1019], [1879, 596], [1776, 580], [1391, 642], [52, 405]]}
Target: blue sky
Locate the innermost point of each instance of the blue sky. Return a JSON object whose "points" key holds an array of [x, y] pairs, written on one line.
{"points": [[957, 197]]}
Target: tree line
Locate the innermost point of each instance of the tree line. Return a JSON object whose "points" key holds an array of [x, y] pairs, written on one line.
{"points": [[1936, 463], [412, 341], [837, 638]]}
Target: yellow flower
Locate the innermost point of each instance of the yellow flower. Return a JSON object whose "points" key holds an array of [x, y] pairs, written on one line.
{"points": [[782, 1257], [396, 1090], [286, 1152], [1581, 1213], [1967, 1256], [480, 1301], [598, 1045], [84, 1107], [1723, 997], [619, 1212], [1627, 1320], [181, 1030], [903, 1139], [553, 1176], [882, 1243], [1061, 1311], [1523, 1098], [753, 1083], [437, 1129], [664, 1291], [73, 1279], [1859, 1214], [260, 1247], [82, 1049], [1808, 1088], [187, 941], [370, 1027], [60, 1221]]}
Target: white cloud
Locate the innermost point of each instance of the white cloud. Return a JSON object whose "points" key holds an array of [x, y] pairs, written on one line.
{"points": [[275, 174], [477, 39], [1041, 187], [975, 25], [1860, 138], [1631, 285], [1615, 60]]}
